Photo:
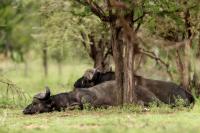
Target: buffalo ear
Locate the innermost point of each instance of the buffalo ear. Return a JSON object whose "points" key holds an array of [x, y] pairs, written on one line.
{"points": [[43, 96]]}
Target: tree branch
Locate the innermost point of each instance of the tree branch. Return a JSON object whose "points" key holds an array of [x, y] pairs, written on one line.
{"points": [[84, 39], [93, 48], [108, 52], [139, 63], [13, 88], [139, 18], [153, 56], [96, 9]]}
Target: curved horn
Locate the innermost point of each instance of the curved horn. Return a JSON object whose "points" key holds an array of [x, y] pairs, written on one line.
{"points": [[48, 92], [43, 96]]}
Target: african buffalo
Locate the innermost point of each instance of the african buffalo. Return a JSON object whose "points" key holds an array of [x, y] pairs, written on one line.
{"points": [[104, 95], [93, 77], [44, 102], [163, 90], [97, 96]]}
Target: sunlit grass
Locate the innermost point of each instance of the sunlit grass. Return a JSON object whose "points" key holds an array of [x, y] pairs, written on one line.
{"points": [[35, 81], [111, 120]]}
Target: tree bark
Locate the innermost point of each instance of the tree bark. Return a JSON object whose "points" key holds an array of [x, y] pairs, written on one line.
{"points": [[8, 49], [183, 64], [186, 62], [118, 58], [129, 86], [185, 78], [123, 43]]}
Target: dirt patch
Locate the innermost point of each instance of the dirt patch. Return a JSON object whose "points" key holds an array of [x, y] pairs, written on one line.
{"points": [[32, 126], [85, 126]]}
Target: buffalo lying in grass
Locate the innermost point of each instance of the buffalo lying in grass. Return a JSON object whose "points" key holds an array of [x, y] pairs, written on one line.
{"points": [[104, 95], [97, 96], [93, 77], [163, 90]]}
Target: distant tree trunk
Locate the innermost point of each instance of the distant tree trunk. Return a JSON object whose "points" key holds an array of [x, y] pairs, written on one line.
{"points": [[26, 68], [8, 49], [59, 68], [45, 60]]}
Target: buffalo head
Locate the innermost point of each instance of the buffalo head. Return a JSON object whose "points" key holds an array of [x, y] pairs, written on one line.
{"points": [[87, 80], [41, 103], [89, 74]]}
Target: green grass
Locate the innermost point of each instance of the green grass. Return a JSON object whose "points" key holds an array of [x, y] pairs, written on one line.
{"points": [[129, 119], [107, 121]]}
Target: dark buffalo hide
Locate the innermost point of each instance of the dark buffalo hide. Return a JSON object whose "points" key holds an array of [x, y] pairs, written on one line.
{"points": [[97, 96], [167, 92], [94, 79], [104, 95]]}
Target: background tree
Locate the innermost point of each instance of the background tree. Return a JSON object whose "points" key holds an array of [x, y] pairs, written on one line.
{"points": [[176, 23], [61, 18], [16, 17], [124, 19]]}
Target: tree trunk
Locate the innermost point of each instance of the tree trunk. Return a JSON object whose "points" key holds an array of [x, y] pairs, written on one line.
{"points": [[129, 86], [198, 52], [187, 47], [183, 64], [59, 69], [8, 49], [123, 54], [25, 68], [186, 62], [45, 60], [118, 58]]}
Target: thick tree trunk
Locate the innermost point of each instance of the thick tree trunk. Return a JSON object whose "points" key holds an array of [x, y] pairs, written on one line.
{"points": [[185, 79], [45, 60], [123, 53], [118, 59], [129, 95], [183, 64]]}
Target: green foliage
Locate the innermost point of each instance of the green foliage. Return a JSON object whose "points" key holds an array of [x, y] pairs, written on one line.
{"points": [[16, 22]]}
